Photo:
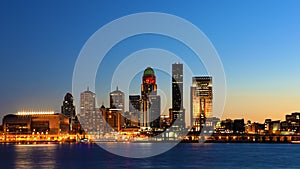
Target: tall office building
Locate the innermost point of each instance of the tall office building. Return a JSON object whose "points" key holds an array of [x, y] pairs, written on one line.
{"points": [[154, 111], [148, 87], [90, 117], [177, 112], [134, 110], [177, 87], [87, 101], [68, 109], [134, 103], [201, 102], [117, 99]]}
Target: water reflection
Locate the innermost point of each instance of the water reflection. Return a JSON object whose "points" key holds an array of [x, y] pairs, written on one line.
{"points": [[137, 150], [34, 156]]}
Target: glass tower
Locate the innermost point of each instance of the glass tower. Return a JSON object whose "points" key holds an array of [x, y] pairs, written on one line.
{"points": [[201, 102]]}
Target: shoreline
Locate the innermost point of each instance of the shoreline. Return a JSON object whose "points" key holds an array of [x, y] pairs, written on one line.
{"points": [[142, 142]]}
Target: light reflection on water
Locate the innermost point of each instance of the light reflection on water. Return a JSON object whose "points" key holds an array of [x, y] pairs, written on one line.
{"points": [[208, 156], [34, 156], [137, 150]]}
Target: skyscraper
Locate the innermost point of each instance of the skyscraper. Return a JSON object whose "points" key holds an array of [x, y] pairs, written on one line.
{"points": [[87, 101], [148, 87], [68, 109], [117, 99], [201, 102], [134, 103], [134, 109], [90, 117], [177, 87], [178, 112], [154, 111]]}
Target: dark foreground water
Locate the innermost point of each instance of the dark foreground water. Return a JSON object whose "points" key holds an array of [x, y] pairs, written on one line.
{"points": [[207, 156]]}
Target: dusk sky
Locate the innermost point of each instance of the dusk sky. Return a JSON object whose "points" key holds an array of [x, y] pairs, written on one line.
{"points": [[258, 43]]}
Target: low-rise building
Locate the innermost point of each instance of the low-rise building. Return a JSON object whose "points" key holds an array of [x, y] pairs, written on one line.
{"points": [[36, 122]]}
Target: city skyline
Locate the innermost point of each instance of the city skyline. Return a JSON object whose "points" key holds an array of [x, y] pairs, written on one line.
{"points": [[120, 96], [259, 53]]}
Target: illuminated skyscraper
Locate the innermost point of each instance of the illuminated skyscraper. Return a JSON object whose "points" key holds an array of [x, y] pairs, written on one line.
{"points": [[87, 101], [201, 102], [177, 96], [68, 109], [148, 88], [177, 87], [117, 99], [90, 117]]}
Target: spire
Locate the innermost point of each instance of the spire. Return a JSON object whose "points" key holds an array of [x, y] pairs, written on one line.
{"points": [[88, 88], [117, 88]]}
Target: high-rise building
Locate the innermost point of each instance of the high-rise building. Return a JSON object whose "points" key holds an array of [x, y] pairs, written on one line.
{"points": [[90, 117], [148, 87], [154, 111], [134, 110], [117, 99], [87, 101], [134, 103], [177, 111], [201, 102], [68, 108], [177, 87]]}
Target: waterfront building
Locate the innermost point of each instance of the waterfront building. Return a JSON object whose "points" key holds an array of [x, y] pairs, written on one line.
{"points": [[201, 103], [254, 128], [272, 127], [292, 123], [47, 122], [238, 126], [267, 124]]}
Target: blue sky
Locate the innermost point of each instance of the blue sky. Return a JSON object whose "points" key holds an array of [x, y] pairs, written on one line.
{"points": [[257, 41]]}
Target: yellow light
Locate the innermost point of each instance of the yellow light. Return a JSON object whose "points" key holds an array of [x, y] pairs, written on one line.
{"points": [[35, 113]]}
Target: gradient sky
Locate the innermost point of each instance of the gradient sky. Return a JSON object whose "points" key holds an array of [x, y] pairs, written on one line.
{"points": [[257, 41]]}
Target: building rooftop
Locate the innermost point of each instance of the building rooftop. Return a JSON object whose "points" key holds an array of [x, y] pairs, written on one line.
{"points": [[149, 71]]}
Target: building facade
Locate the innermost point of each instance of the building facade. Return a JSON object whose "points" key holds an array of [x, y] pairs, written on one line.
{"points": [[148, 87], [117, 99], [90, 117], [36, 123], [114, 119], [154, 111], [177, 113], [68, 109], [134, 113], [201, 103]]}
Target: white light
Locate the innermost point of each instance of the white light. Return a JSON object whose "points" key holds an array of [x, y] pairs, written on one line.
{"points": [[35, 113]]}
